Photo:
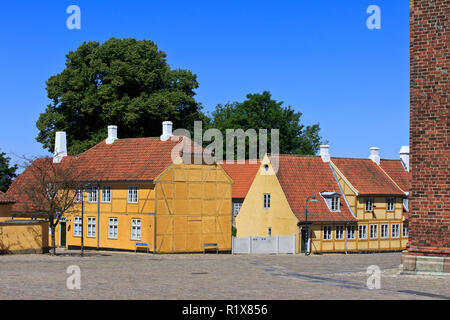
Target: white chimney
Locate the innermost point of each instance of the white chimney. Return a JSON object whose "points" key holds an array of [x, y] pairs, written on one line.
{"points": [[325, 152], [60, 147], [112, 134], [167, 130], [404, 157], [375, 155]]}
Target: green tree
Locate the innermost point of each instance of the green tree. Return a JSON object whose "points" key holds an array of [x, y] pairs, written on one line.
{"points": [[260, 111], [7, 172], [123, 82]]}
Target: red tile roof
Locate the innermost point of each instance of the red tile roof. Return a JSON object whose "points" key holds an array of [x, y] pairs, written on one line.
{"points": [[140, 159], [5, 199], [302, 176], [366, 176], [242, 175], [135, 159], [22, 187], [395, 169]]}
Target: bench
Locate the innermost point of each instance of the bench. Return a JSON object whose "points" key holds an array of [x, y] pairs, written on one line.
{"points": [[142, 245], [209, 246]]}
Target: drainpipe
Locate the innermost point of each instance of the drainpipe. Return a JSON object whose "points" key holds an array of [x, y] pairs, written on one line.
{"points": [[98, 216], [154, 219], [346, 236]]}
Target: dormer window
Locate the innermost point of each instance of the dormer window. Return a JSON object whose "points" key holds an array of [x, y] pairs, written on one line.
{"points": [[332, 199]]}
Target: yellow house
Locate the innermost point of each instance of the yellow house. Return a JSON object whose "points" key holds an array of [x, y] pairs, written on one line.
{"points": [[279, 203], [376, 199], [330, 204], [20, 236], [146, 193]]}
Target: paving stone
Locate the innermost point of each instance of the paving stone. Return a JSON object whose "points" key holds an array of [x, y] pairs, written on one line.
{"points": [[119, 275]]}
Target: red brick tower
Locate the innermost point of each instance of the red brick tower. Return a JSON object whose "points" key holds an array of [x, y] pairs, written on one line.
{"points": [[429, 236]]}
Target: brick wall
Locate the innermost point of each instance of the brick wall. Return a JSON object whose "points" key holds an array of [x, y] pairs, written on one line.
{"points": [[429, 131]]}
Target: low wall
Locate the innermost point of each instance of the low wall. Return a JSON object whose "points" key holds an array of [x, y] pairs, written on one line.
{"points": [[264, 245], [23, 236]]}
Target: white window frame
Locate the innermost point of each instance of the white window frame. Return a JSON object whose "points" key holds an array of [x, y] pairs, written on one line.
{"points": [[384, 231], [373, 235], [405, 228], [136, 229], [113, 228], [91, 227], [266, 201], [77, 225], [340, 232], [106, 194], [368, 205], [335, 204], [362, 227], [92, 195], [390, 204], [351, 232], [327, 233], [133, 192], [395, 227]]}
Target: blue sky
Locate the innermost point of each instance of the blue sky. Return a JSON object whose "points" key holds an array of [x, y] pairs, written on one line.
{"points": [[317, 56]]}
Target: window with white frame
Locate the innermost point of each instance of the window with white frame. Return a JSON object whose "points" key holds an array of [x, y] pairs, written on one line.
{"points": [[91, 227], [113, 227], [395, 230], [327, 233], [236, 207], [266, 200], [351, 230], [369, 204], [78, 195], [390, 204], [77, 225], [332, 200], [405, 229], [106, 194], [362, 231], [384, 232], [269, 231], [373, 231], [92, 194], [335, 203], [339, 232], [132, 194], [136, 229]]}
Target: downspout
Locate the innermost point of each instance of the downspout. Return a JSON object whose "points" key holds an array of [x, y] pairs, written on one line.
{"points": [[98, 216], [346, 236], [154, 219]]}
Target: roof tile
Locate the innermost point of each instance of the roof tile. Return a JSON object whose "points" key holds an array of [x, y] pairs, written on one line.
{"points": [[301, 177], [366, 176], [242, 174]]}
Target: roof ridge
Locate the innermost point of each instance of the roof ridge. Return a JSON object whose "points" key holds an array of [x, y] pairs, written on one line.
{"points": [[348, 158]]}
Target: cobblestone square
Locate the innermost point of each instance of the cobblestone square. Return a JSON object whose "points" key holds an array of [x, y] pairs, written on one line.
{"points": [[124, 275]]}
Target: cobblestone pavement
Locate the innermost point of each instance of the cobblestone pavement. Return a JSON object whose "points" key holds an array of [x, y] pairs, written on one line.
{"points": [[118, 275]]}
